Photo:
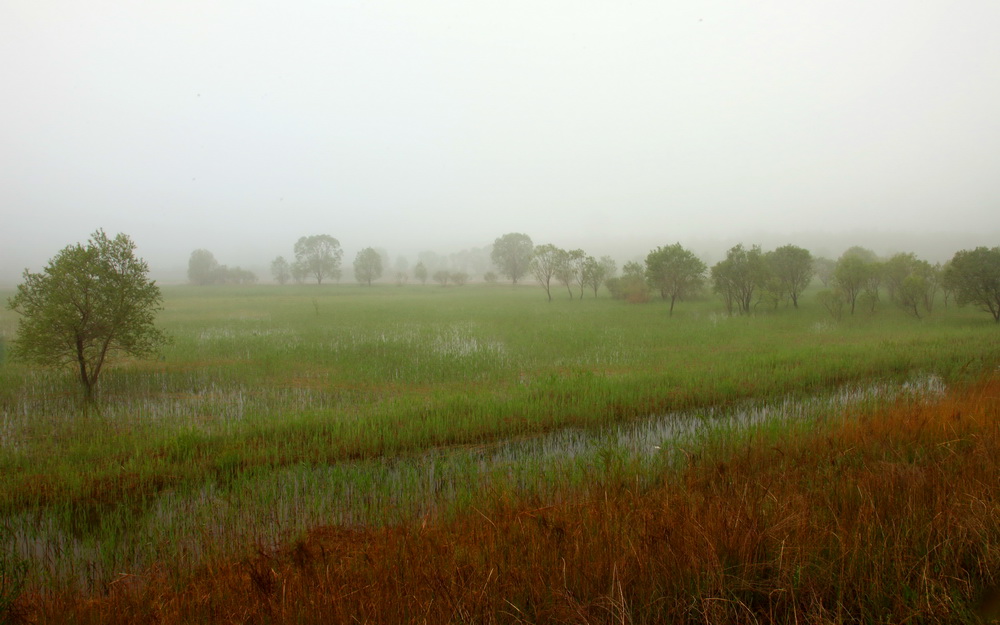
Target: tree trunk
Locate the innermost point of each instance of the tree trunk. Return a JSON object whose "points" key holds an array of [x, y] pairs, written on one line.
{"points": [[88, 384]]}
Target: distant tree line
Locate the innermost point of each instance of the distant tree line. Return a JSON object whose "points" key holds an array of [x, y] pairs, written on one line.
{"points": [[319, 258], [746, 279], [749, 278], [203, 269]]}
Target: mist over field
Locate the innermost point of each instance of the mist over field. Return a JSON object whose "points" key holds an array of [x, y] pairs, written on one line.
{"points": [[748, 369], [442, 125]]}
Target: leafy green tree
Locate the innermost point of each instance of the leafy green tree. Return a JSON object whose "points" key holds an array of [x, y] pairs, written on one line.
{"points": [[974, 277], [947, 288], [824, 268], [281, 270], [420, 272], [771, 290], [459, 278], [544, 265], [895, 270], [911, 282], [631, 286], [320, 256], [791, 269], [236, 275], [368, 266], [856, 272], [512, 254], [90, 303], [738, 276], [203, 269], [912, 293], [568, 269], [577, 260], [596, 272], [675, 272]]}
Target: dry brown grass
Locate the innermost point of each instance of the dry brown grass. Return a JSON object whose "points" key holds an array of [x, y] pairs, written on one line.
{"points": [[889, 518]]}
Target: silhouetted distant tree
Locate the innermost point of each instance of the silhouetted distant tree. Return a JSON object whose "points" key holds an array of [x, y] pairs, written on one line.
{"points": [[441, 276], [368, 266], [420, 273], [402, 269], [320, 256], [512, 254], [236, 275], [281, 270], [203, 269]]}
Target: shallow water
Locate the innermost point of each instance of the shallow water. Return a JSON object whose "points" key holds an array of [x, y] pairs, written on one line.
{"points": [[268, 508]]}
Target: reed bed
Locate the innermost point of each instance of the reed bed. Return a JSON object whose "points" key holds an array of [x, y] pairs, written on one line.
{"points": [[277, 411], [882, 516]]}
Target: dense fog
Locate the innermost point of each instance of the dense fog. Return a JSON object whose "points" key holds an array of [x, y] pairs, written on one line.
{"points": [[437, 127]]}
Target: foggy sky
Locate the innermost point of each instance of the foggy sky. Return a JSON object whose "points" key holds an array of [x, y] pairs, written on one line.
{"points": [[412, 125]]}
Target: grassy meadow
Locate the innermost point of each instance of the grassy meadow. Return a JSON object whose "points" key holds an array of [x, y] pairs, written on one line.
{"points": [[344, 418]]}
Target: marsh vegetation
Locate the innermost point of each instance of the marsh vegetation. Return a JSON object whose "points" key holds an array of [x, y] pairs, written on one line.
{"points": [[276, 412]]}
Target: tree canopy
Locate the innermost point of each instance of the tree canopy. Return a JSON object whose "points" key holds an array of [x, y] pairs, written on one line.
{"points": [[545, 263], [596, 271], [319, 256], [281, 270], [675, 272], [203, 269], [512, 254], [368, 266], [569, 268], [90, 303], [738, 276], [857, 271], [974, 277], [911, 282], [791, 269]]}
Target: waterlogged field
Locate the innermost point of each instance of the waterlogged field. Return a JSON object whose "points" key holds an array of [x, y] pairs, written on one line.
{"points": [[279, 410]]}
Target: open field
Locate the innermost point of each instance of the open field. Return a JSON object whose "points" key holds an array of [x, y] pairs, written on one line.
{"points": [[279, 411]]}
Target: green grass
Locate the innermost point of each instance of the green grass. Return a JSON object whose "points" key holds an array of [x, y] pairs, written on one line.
{"points": [[274, 403]]}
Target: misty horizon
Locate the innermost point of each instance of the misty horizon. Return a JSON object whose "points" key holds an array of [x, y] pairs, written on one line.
{"points": [[442, 126], [930, 247]]}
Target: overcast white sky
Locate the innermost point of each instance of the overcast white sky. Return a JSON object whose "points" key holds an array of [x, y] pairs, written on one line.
{"points": [[411, 125]]}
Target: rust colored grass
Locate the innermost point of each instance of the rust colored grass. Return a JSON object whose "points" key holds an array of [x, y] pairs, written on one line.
{"points": [[888, 518]]}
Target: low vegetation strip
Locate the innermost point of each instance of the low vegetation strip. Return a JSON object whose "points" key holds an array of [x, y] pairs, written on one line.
{"points": [[880, 517]]}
